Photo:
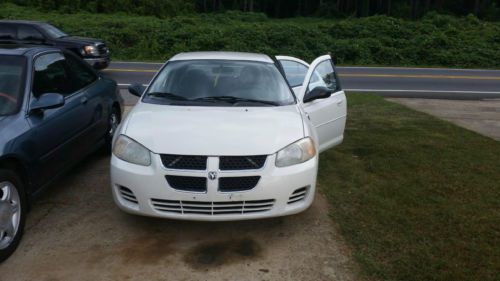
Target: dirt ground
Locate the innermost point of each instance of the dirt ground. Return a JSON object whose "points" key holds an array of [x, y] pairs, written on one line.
{"points": [[75, 232], [481, 116]]}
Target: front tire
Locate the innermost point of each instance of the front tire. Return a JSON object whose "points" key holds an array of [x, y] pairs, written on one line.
{"points": [[113, 123], [12, 212]]}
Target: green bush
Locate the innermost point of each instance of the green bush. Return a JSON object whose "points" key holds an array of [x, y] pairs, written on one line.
{"points": [[436, 40]]}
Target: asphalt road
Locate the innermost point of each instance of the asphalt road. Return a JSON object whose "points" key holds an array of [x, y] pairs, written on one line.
{"points": [[457, 84]]}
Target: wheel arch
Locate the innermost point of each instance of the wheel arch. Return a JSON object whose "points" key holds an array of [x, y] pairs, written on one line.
{"points": [[15, 164], [116, 105]]}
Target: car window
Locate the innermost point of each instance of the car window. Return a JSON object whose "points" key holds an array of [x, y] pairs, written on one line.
{"points": [[26, 32], [324, 76], [7, 31], [295, 72], [53, 31], [51, 75], [205, 79], [12, 69], [80, 74]]}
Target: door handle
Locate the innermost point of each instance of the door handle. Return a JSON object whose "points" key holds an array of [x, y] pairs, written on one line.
{"points": [[84, 100], [339, 101]]}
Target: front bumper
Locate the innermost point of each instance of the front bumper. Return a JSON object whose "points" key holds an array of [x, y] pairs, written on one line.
{"points": [[98, 63], [273, 195]]}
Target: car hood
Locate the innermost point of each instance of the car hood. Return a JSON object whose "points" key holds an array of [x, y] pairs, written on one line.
{"points": [[214, 131], [82, 40]]}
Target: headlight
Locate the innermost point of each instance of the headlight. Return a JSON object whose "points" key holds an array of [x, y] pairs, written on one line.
{"points": [[90, 50], [131, 151], [296, 153]]}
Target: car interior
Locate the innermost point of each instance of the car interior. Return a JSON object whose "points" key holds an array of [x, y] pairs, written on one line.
{"points": [[9, 92]]}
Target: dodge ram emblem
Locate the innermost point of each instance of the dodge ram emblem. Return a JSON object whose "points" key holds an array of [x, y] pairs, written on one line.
{"points": [[212, 175]]}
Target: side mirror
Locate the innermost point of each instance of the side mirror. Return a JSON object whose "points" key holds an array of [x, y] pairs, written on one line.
{"points": [[136, 89], [318, 93], [47, 101]]}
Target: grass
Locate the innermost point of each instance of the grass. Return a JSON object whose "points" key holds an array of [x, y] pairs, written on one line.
{"points": [[417, 198]]}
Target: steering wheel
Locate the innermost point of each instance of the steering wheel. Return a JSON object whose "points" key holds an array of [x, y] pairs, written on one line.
{"points": [[8, 98]]}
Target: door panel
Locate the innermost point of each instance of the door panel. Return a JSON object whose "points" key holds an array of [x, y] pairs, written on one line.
{"points": [[328, 116], [57, 129], [86, 80]]}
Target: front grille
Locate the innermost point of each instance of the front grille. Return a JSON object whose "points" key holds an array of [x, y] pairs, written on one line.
{"points": [[128, 195], [242, 162], [237, 183], [184, 162], [212, 208], [298, 195], [103, 50], [193, 184]]}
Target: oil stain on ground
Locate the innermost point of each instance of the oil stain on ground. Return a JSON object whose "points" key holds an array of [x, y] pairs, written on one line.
{"points": [[216, 254]]}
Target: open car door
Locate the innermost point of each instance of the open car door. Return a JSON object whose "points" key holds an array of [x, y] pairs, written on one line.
{"points": [[320, 95]]}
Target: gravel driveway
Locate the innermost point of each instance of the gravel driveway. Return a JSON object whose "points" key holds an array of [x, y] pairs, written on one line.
{"points": [[75, 232]]}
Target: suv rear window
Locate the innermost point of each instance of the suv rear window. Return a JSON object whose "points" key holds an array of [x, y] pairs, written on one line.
{"points": [[12, 72]]}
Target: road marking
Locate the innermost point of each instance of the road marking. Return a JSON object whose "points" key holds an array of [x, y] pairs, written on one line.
{"points": [[424, 76], [420, 91], [418, 68], [126, 85], [137, 62], [395, 91], [361, 75], [129, 70]]}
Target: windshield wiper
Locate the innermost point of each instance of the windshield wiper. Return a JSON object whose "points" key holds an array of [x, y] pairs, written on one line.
{"points": [[167, 96], [234, 100]]}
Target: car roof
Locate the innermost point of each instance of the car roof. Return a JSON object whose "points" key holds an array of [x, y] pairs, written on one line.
{"points": [[21, 50], [222, 56], [22, 21]]}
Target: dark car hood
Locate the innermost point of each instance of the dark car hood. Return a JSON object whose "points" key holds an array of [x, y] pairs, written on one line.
{"points": [[77, 39]]}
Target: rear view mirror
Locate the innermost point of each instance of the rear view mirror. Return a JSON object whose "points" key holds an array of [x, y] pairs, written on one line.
{"points": [[136, 89], [317, 93], [47, 101]]}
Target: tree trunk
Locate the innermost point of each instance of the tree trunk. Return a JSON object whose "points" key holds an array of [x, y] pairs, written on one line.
{"points": [[427, 5], [477, 7], [414, 6]]}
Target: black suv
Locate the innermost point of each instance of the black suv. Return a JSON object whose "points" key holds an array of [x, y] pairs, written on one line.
{"points": [[93, 51]]}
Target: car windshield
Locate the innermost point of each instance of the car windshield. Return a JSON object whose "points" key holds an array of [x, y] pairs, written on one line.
{"points": [[53, 31], [219, 83], [11, 83]]}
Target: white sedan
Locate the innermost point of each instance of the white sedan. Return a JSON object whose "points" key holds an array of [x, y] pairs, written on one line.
{"points": [[227, 136]]}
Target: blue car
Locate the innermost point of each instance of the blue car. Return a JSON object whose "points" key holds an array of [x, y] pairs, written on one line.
{"points": [[54, 110]]}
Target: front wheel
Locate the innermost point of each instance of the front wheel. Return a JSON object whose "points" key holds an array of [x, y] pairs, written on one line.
{"points": [[113, 123], [12, 213]]}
